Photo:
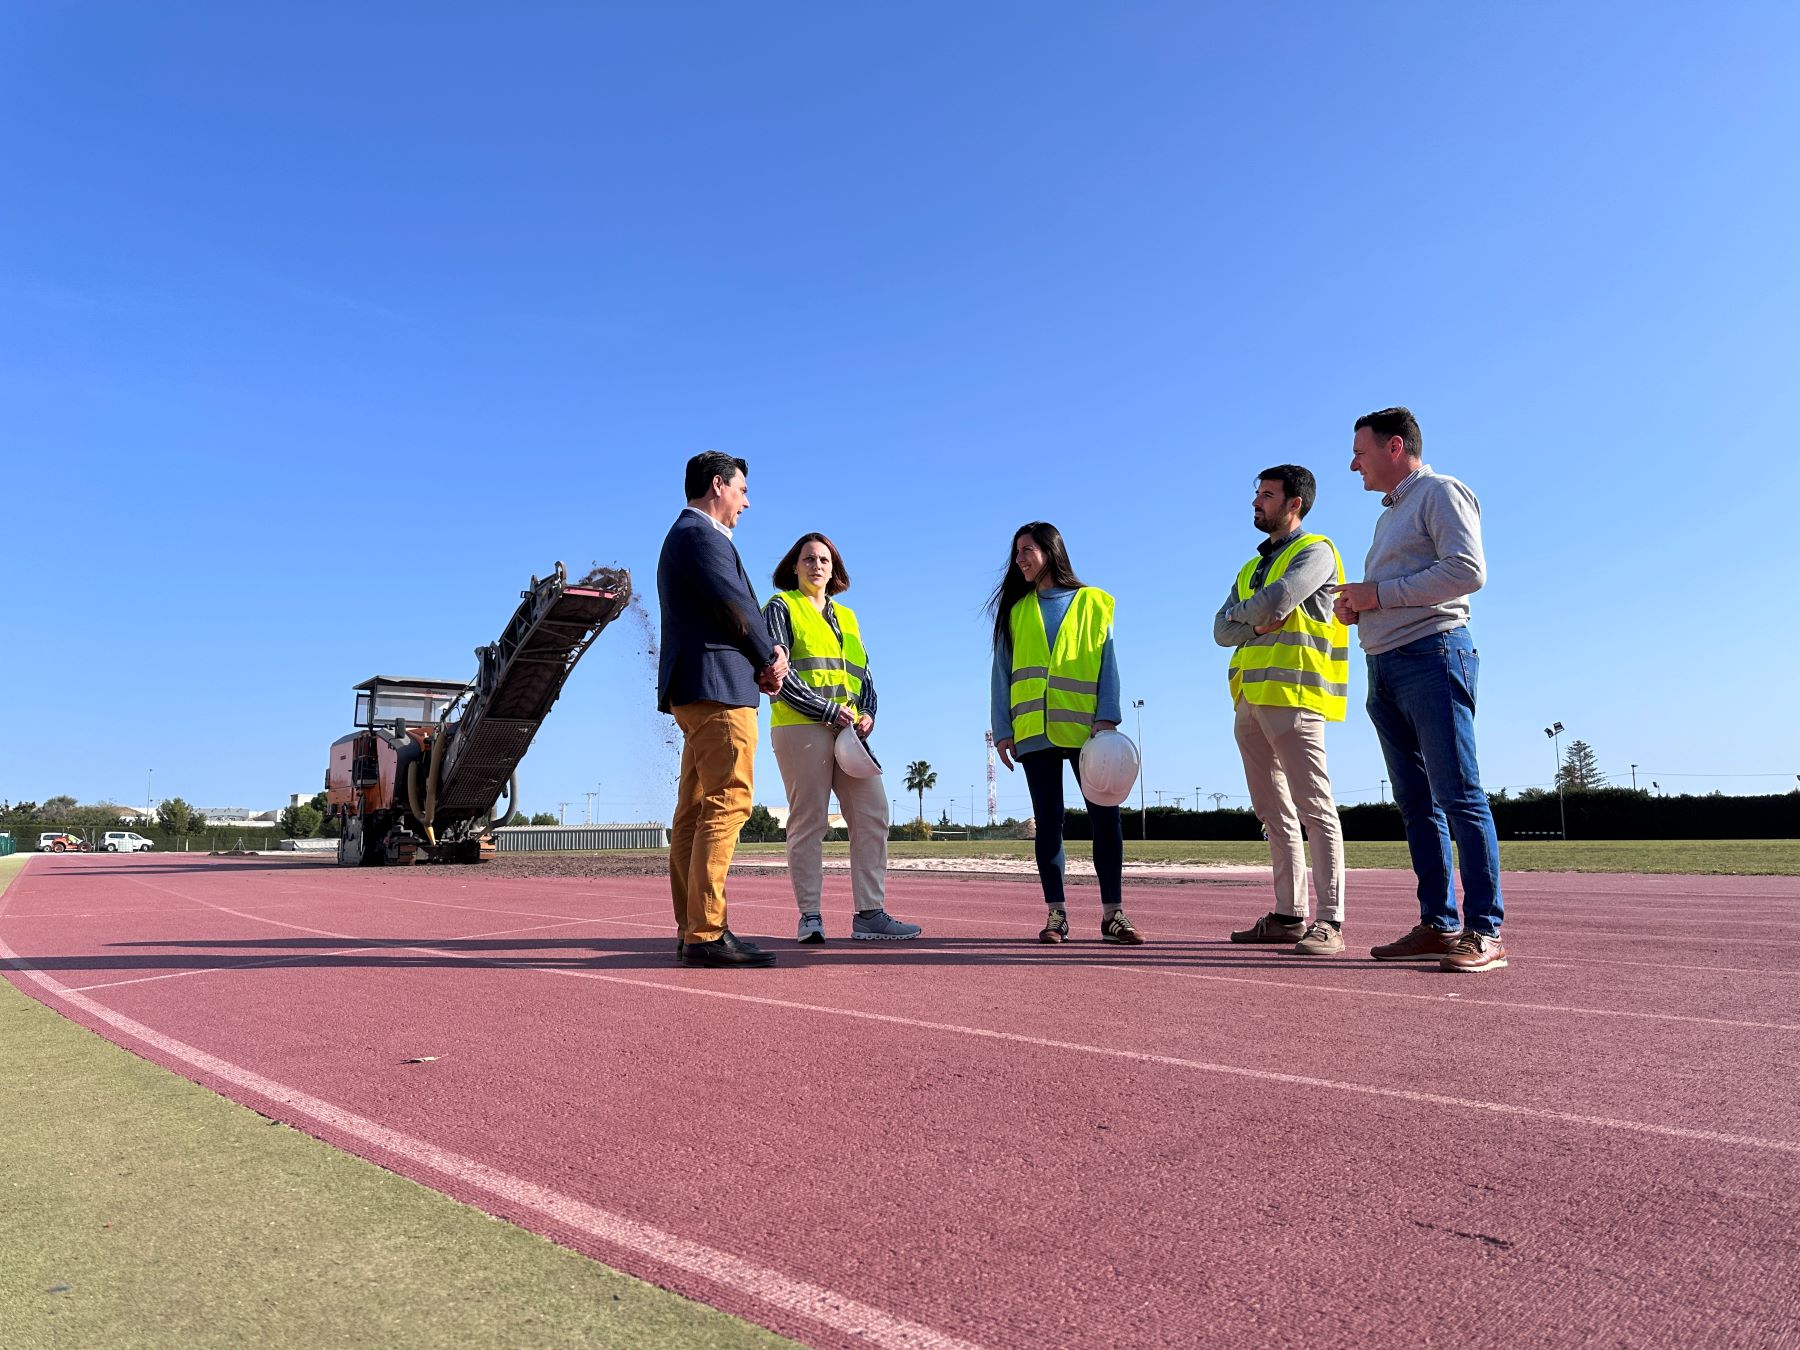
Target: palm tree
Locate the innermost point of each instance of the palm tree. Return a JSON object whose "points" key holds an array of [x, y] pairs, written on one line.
{"points": [[919, 777]]}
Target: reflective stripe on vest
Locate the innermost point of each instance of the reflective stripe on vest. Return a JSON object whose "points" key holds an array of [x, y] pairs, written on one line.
{"points": [[1303, 664], [1056, 693], [834, 670]]}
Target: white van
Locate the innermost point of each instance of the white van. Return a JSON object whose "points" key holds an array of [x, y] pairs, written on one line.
{"points": [[124, 841]]}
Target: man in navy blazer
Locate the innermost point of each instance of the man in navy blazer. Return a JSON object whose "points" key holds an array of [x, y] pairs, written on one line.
{"points": [[717, 661]]}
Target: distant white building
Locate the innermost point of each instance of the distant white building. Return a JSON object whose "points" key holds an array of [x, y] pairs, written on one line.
{"points": [[832, 822], [240, 817]]}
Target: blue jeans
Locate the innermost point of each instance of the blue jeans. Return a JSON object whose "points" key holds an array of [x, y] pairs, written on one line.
{"points": [[1422, 702], [1044, 777]]}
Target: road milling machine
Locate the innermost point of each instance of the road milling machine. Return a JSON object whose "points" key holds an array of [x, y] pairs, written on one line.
{"points": [[422, 777]]}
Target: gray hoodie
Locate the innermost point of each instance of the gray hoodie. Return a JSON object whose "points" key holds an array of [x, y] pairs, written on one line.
{"points": [[1426, 561]]}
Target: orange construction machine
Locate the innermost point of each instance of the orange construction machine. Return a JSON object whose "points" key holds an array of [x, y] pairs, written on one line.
{"points": [[422, 776]]}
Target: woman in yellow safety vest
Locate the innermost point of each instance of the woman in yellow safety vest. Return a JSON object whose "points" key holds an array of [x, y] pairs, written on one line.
{"points": [[1056, 682], [828, 692]]}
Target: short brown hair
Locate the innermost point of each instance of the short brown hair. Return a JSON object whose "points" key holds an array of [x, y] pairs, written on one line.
{"points": [[1391, 422], [787, 575]]}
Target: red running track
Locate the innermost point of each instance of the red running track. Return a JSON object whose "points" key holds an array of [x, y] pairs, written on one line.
{"points": [[972, 1139]]}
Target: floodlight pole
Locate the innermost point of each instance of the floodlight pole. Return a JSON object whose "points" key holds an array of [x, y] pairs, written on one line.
{"points": [[1143, 817], [1554, 732]]}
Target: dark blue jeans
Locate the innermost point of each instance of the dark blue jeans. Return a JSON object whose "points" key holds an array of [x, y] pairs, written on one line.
{"points": [[1422, 702], [1044, 777]]}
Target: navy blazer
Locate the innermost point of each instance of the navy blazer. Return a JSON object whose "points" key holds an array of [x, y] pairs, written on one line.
{"points": [[714, 639]]}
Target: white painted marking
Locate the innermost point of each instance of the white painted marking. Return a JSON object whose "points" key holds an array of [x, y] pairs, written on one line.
{"points": [[1436, 998], [813, 1302], [308, 956]]}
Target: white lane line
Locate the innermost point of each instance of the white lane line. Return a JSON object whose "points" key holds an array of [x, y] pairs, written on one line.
{"points": [[1111, 1052], [307, 956], [770, 1287], [1452, 1000], [1178, 1062]]}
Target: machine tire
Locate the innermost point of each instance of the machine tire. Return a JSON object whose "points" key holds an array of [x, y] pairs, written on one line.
{"points": [[57, 847], [351, 846]]}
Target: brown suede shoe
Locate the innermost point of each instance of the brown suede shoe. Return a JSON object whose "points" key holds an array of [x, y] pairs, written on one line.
{"points": [[1270, 928], [1473, 953], [1320, 940], [1422, 944]]}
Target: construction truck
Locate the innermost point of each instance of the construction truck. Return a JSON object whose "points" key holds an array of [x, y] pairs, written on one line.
{"points": [[422, 777]]}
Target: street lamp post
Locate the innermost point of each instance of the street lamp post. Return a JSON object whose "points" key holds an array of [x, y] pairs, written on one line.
{"points": [[1384, 792], [1143, 817], [1554, 732], [1634, 778], [149, 796]]}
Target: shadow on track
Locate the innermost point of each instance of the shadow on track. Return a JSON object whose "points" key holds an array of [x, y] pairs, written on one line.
{"points": [[646, 953]]}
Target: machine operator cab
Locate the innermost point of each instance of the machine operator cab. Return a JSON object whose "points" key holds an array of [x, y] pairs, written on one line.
{"points": [[385, 699]]}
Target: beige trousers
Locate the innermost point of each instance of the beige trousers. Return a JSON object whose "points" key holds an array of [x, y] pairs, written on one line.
{"points": [[1284, 764], [810, 772]]}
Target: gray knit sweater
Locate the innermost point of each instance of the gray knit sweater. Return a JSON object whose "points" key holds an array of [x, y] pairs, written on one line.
{"points": [[1426, 559]]}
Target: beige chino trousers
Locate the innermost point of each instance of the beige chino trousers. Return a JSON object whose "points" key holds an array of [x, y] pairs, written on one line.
{"points": [[809, 771], [1284, 764]]}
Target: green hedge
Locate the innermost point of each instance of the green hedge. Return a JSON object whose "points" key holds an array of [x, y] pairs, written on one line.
{"points": [[1604, 813]]}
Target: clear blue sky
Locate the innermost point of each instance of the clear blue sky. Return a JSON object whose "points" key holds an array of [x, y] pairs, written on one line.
{"points": [[321, 330]]}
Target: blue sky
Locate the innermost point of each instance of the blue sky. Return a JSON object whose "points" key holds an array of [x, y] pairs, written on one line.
{"points": [[321, 330]]}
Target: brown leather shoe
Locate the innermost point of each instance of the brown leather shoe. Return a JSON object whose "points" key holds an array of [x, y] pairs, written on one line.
{"points": [[1272, 928], [1473, 953], [1424, 943], [1320, 940]]}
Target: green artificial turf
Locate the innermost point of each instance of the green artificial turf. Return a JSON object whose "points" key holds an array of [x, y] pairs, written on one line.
{"points": [[138, 1209], [1698, 857]]}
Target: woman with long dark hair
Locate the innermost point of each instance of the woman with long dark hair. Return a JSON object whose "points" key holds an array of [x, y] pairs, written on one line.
{"points": [[828, 693], [1055, 683]]}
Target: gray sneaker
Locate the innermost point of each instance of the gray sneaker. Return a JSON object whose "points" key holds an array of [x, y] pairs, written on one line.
{"points": [[882, 927], [812, 929]]}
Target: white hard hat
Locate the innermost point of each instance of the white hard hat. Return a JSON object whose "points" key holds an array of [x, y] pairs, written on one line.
{"points": [[1109, 766], [853, 757]]}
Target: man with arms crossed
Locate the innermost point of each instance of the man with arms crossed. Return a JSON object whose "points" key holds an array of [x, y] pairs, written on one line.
{"points": [[1411, 611], [717, 660], [1290, 674]]}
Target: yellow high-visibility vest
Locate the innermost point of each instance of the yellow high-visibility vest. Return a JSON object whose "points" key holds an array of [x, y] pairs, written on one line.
{"points": [[1057, 692], [1306, 662], [835, 670]]}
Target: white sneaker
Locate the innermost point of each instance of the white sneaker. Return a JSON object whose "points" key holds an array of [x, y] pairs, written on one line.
{"points": [[812, 929]]}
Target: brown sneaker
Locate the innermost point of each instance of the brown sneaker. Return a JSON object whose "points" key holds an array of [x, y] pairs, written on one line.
{"points": [[1320, 940], [1473, 953], [1272, 928], [1056, 927], [1422, 944]]}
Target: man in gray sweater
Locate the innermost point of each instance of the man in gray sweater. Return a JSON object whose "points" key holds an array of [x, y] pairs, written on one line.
{"points": [[1411, 611]]}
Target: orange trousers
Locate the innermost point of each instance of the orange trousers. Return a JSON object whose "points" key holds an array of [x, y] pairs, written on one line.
{"points": [[718, 763]]}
